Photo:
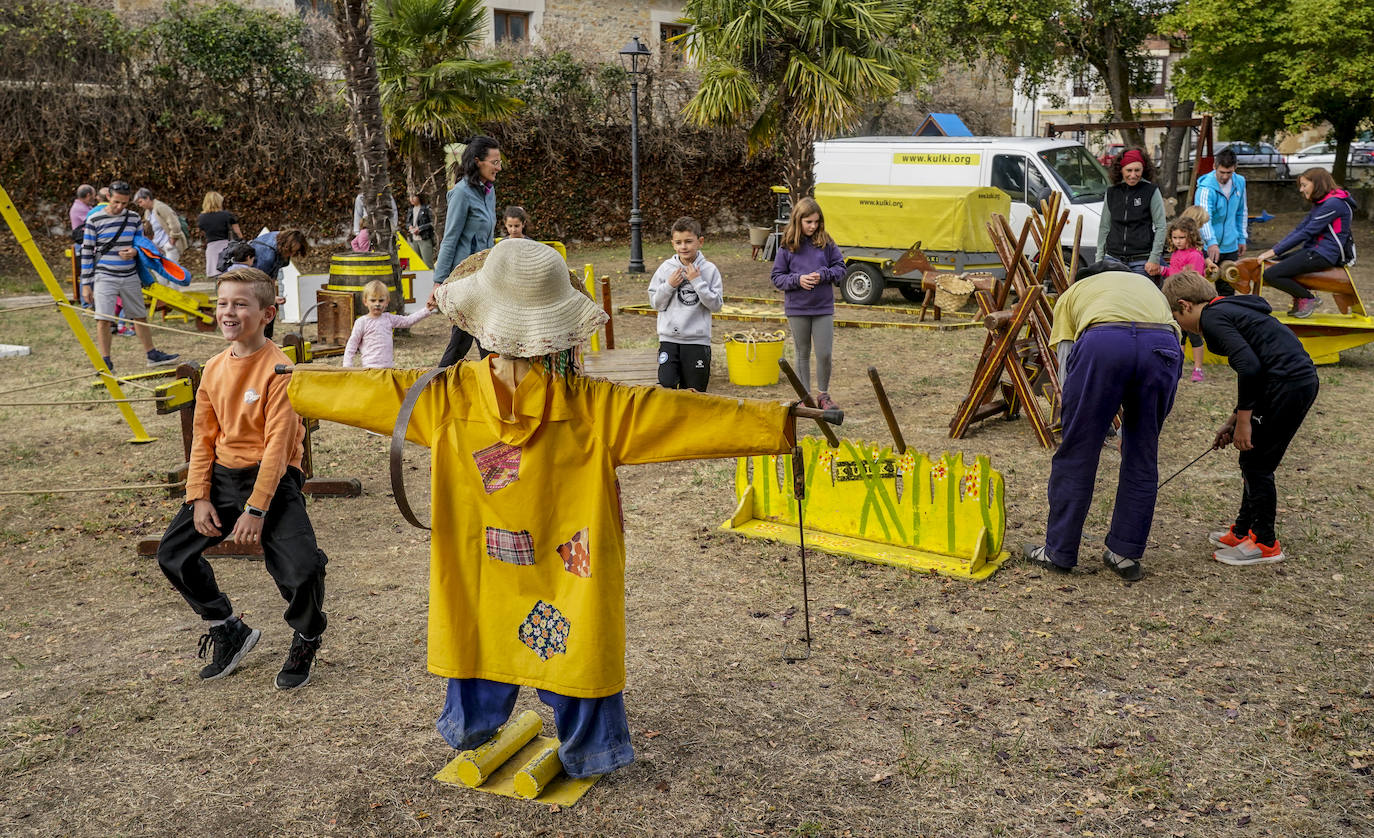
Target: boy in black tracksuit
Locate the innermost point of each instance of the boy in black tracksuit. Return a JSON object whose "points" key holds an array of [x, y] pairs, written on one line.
{"points": [[1276, 385]]}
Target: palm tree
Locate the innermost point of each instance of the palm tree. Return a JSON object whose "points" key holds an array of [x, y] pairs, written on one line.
{"points": [[433, 90], [353, 26], [793, 71]]}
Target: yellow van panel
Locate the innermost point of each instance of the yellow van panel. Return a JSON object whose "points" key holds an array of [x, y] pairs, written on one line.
{"points": [[939, 217]]}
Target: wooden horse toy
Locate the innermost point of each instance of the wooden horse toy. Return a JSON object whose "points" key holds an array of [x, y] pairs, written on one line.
{"points": [[1324, 335]]}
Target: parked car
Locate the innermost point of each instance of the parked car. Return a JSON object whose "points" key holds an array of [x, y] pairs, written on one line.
{"points": [[1258, 155], [1323, 155], [1110, 152]]}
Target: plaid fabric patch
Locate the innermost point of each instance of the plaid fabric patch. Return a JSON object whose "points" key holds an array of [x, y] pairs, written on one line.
{"points": [[499, 465], [510, 546], [576, 558], [545, 631]]}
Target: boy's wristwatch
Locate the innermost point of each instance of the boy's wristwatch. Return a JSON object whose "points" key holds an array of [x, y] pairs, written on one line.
{"points": [[254, 511]]}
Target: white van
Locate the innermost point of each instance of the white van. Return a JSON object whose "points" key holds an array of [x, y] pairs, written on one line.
{"points": [[1026, 168]]}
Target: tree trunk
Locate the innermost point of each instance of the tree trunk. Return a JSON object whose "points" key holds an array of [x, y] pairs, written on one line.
{"points": [[1173, 148], [1116, 72], [353, 22], [798, 155], [1343, 128]]}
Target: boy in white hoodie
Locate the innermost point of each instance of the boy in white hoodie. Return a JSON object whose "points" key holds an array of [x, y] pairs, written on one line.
{"points": [[685, 289]]}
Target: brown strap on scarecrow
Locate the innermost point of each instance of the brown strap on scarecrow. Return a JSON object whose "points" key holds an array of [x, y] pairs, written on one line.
{"points": [[398, 439]]}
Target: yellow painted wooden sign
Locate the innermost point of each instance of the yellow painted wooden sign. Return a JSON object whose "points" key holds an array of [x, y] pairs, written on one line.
{"points": [[934, 515]]}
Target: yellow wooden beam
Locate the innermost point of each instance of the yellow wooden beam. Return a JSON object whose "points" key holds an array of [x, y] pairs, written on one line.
{"points": [[21, 232]]}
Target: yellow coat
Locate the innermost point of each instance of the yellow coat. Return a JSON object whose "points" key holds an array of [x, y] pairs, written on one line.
{"points": [[527, 559]]}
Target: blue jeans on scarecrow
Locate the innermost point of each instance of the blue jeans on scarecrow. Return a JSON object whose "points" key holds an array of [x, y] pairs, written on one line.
{"points": [[593, 733], [1113, 366]]}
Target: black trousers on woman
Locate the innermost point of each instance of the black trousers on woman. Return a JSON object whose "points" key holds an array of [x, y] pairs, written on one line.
{"points": [[1305, 261], [459, 342]]}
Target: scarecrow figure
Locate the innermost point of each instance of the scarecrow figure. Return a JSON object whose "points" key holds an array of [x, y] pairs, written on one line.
{"points": [[527, 563]]}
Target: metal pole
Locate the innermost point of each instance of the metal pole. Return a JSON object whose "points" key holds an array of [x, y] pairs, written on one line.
{"points": [[636, 245]]}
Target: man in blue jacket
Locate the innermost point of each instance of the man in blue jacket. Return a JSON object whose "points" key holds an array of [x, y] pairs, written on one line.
{"points": [[1222, 193]]}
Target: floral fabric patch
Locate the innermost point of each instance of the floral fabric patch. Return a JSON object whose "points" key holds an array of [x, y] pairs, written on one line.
{"points": [[511, 546], [545, 631], [499, 465], [576, 558]]}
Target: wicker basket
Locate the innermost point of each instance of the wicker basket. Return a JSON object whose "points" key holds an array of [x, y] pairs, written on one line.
{"points": [[758, 236], [952, 292]]}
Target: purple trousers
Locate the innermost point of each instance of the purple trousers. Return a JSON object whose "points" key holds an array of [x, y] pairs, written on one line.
{"points": [[1113, 366]]}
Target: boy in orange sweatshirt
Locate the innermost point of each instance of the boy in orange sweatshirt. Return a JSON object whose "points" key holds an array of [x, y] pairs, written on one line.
{"points": [[244, 483]]}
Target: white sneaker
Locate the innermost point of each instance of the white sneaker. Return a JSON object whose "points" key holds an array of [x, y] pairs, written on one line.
{"points": [[1248, 552]]}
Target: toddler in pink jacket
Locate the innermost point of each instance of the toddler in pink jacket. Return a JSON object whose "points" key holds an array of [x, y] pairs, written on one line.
{"points": [[1185, 240], [371, 336]]}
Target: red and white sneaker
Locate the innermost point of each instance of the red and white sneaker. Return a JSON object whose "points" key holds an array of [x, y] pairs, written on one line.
{"points": [[1250, 552], [1226, 537]]}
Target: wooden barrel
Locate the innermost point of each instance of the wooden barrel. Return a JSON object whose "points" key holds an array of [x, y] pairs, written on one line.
{"points": [[352, 272]]}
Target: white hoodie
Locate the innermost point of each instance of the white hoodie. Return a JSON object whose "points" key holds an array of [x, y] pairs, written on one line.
{"points": [[684, 312]]}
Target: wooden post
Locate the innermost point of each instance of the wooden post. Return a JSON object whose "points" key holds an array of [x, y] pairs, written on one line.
{"points": [[606, 305]]}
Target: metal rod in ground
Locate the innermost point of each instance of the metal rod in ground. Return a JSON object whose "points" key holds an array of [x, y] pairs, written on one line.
{"points": [[799, 492], [886, 407], [1185, 468]]}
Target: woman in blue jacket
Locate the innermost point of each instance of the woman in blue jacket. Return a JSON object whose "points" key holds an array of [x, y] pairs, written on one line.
{"points": [[1321, 241], [469, 226]]}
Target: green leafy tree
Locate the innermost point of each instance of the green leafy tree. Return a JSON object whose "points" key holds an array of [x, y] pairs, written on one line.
{"points": [[1265, 66], [1044, 39], [434, 89], [793, 71]]}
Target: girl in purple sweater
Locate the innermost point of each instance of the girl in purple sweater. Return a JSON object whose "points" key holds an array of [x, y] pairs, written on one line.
{"points": [[808, 266]]}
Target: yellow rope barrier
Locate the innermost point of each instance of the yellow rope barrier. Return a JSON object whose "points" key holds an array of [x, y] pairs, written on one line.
{"points": [[80, 402], [45, 384], [7, 309], [73, 490], [114, 318]]}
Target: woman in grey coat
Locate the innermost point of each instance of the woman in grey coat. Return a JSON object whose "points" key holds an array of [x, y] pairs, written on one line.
{"points": [[470, 225]]}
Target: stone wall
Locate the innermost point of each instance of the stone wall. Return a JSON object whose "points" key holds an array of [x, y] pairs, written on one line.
{"points": [[600, 28]]}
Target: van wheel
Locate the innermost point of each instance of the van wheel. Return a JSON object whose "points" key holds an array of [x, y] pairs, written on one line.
{"points": [[911, 292], [863, 285]]}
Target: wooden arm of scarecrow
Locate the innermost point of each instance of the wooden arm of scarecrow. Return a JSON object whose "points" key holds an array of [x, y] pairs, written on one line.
{"points": [[822, 420]]}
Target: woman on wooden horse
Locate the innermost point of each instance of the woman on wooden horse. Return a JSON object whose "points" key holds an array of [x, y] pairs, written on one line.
{"points": [[1321, 241]]}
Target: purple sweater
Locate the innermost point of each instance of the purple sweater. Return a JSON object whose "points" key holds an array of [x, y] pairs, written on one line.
{"points": [[788, 268]]}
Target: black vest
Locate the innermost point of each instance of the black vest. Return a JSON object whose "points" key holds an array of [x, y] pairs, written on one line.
{"points": [[1132, 233]]}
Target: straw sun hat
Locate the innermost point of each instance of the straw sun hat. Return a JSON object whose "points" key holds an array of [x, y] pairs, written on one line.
{"points": [[518, 301]]}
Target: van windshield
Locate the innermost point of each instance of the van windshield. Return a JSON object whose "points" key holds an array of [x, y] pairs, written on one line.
{"points": [[1082, 177]]}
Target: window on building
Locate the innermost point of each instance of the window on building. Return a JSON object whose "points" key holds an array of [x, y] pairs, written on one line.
{"points": [[1080, 84], [672, 51], [1152, 82], [511, 26]]}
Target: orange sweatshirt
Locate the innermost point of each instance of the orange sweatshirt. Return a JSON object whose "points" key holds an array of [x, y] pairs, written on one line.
{"points": [[244, 418]]}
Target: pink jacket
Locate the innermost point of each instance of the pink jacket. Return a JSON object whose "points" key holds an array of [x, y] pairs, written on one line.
{"points": [[1184, 259]]}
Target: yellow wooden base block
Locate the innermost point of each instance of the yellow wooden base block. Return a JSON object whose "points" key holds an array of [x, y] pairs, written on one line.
{"points": [[929, 514], [190, 303], [475, 766], [558, 789]]}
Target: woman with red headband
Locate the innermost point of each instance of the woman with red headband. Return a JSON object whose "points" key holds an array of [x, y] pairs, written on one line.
{"points": [[1133, 225]]}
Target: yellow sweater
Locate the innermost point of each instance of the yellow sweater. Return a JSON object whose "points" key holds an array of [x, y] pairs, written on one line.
{"points": [[527, 561], [1111, 297]]}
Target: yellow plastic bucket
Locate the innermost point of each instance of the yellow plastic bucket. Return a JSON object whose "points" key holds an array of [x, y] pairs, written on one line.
{"points": [[752, 358]]}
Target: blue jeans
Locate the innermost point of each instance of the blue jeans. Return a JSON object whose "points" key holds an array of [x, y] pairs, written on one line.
{"points": [[593, 733], [1112, 366]]}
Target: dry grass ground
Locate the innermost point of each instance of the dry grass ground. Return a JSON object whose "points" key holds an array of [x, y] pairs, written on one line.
{"points": [[1204, 700]]}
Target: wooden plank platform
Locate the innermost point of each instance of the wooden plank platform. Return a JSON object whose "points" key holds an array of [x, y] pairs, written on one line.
{"points": [[623, 366]]}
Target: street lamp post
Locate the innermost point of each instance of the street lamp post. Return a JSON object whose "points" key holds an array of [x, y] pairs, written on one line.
{"points": [[635, 57]]}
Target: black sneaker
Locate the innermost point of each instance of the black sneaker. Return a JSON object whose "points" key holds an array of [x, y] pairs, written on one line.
{"points": [[231, 642], [158, 358], [1128, 569], [1036, 555], [109, 365], [296, 671]]}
